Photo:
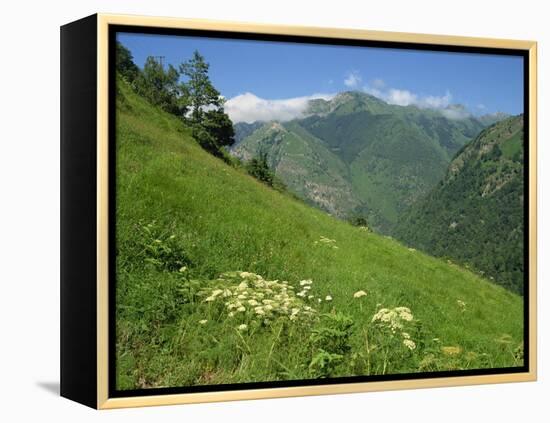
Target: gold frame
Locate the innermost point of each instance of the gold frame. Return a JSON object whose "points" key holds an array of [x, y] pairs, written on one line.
{"points": [[103, 21]]}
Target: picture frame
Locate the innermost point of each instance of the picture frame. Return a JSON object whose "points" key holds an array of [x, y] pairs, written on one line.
{"points": [[88, 213]]}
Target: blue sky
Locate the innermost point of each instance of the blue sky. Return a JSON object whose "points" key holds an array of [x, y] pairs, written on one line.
{"points": [[275, 76]]}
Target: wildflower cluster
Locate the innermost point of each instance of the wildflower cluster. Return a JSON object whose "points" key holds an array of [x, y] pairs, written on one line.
{"points": [[395, 320], [249, 297], [323, 240]]}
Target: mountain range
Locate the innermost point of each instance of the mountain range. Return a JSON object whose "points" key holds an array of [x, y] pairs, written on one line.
{"points": [[357, 155]]}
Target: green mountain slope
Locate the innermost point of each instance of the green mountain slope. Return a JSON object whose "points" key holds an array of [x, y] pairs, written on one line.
{"points": [[243, 130], [475, 215], [381, 157], [492, 118], [304, 164], [177, 205]]}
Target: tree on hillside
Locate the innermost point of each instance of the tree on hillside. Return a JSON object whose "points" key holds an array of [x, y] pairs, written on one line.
{"points": [[195, 99], [212, 127], [198, 89], [160, 86], [125, 63], [218, 124], [358, 220], [258, 168]]}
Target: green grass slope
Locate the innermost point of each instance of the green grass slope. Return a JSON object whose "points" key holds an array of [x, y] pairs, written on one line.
{"points": [[177, 206]]}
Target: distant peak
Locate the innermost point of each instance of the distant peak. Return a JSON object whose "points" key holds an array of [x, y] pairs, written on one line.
{"points": [[355, 95], [491, 118]]}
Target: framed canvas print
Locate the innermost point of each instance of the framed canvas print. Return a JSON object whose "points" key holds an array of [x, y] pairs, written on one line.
{"points": [[254, 211]]}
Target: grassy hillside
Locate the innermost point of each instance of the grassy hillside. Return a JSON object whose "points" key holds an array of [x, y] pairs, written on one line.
{"points": [[475, 214], [372, 306], [359, 154]]}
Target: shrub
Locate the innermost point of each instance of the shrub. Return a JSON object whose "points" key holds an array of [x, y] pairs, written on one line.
{"points": [[161, 249], [331, 342]]}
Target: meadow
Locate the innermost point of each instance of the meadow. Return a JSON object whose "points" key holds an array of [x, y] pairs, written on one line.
{"points": [[222, 279]]}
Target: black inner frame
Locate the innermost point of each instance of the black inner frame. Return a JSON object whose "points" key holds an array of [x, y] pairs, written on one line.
{"points": [[112, 32]]}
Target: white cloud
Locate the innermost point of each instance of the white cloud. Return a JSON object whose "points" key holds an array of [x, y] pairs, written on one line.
{"points": [[481, 106], [408, 98], [435, 102], [249, 108], [455, 113], [400, 97], [378, 83], [353, 79]]}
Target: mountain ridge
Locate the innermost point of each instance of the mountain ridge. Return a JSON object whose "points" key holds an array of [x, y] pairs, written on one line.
{"points": [[364, 146], [475, 213]]}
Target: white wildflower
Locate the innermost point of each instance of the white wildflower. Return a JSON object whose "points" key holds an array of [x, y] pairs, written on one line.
{"points": [[404, 313], [393, 319], [328, 298], [359, 294], [203, 322], [409, 344], [261, 300], [243, 327]]}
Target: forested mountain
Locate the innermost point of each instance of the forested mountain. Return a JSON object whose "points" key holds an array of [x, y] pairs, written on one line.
{"points": [[475, 214], [356, 155]]}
